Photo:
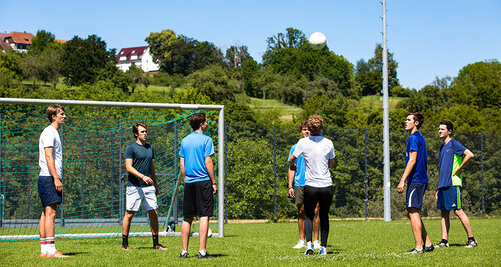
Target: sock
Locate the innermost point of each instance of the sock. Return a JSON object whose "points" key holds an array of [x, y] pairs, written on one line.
{"points": [[184, 252], [444, 241], [43, 246], [202, 252], [51, 247], [471, 238], [155, 240], [125, 241]]}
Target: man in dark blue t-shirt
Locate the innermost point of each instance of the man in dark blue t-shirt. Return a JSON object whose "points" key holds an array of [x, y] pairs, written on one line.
{"points": [[417, 180], [450, 182], [142, 185]]}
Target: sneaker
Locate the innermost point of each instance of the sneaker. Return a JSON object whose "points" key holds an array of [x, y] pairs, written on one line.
{"points": [[323, 251], [442, 244], [300, 244], [159, 247], [471, 243], [57, 255], [43, 255], [126, 248], [414, 251], [429, 248], [309, 249], [316, 244], [206, 256], [183, 255]]}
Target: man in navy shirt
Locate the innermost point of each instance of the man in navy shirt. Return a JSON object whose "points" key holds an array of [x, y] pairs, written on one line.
{"points": [[450, 182], [417, 180], [200, 185]]}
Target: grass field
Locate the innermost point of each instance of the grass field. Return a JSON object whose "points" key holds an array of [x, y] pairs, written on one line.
{"points": [[355, 243]]}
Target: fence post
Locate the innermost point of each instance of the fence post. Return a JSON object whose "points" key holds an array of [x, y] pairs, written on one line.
{"points": [[275, 166], [366, 180], [29, 178], [2, 207], [175, 211], [62, 178], [82, 173], [120, 194], [225, 174], [482, 164]]}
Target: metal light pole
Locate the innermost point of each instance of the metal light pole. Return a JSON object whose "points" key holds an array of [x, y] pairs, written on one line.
{"points": [[386, 126]]}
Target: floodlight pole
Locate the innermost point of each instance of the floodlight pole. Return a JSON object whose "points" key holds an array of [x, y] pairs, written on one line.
{"points": [[386, 126]]}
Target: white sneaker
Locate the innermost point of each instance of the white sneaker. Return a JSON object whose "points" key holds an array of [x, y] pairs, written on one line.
{"points": [[300, 244], [316, 244]]}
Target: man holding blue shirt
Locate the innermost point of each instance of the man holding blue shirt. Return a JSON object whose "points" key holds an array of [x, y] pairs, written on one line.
{"points": [[296, 191], [200, 185], [415, 173], [450, 182]]}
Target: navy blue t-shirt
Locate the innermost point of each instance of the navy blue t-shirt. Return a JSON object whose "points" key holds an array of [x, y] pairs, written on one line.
{"points": [[419, 173], [142, 157], [446, 161]]}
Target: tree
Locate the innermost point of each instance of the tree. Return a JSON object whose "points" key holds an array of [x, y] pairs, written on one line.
{"points": [[137, 77], [213, 82], [291, 38], [370, 74], [236, 56], [83, 59], [42, 40]]}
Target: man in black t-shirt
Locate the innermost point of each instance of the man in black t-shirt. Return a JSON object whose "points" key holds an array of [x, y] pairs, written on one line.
{"points": [[142, 184]]}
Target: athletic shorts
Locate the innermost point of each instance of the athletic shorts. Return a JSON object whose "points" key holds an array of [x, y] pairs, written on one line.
{"points": [[198, 199], [415, 193], [449, 198], [138, 194], [299, 195], [47, 191]]}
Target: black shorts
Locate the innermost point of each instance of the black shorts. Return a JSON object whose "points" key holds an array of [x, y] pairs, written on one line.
{"points": [[198, 199], [47, 191]]}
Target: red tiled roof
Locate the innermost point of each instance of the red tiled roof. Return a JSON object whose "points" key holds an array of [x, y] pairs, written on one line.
{"points": [[2, 36], [60, 41], [128, 52], [20, 37]]}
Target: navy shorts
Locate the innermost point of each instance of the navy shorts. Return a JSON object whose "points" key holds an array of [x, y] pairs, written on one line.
{"points": [[47, 191], [198, 199], [449, 198], [414, 196]]}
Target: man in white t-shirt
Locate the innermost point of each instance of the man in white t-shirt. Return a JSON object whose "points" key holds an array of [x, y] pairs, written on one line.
{"points": [[319, 156], [50, 186]]}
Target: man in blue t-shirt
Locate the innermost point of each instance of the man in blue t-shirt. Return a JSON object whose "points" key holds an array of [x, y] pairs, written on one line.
{"points": [[200, 185], [450, 182], [142, 184], [417, 180], [296, 191]]}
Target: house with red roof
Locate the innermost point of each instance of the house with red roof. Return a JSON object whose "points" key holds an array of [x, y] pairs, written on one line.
{"points": [[138, 55], [19, 41]]}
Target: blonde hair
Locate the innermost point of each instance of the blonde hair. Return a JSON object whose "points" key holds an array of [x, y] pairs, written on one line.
{"points": [[315, 124]]}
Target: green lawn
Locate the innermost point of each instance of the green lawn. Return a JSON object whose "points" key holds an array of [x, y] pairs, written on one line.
{"points": [[286, 111], [356, 243]]}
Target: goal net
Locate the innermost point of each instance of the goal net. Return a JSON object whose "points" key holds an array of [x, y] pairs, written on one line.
{"points": [[94, 139]]}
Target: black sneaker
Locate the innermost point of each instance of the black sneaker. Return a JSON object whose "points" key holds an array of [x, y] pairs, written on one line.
{"points": [[442, 244], [428, 248], [414, 251], [471, 243], [183, 255], [206, 256]]}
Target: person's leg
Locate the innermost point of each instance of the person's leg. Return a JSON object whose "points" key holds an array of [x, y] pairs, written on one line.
{"points": [[153, 214], [126, 228], [316, 223], [203, 228], [300, 221], [325, 202], [41, 231], [49, 228], [424, 235], [465, 221], [445, 223], [185, 232], [309, 209], [416, 226]]}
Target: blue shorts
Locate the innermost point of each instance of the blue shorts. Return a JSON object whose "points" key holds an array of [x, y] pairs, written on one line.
{"points": [[47, 191], [449, 198], [414, 195]]}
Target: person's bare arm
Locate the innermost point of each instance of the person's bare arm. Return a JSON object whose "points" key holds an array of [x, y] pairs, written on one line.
{"points": [[182, 169], [290, 176], [51, 165], [332, 163], [292, 163], [468, 155], [133, 171], [210, 169], [408, 169]]}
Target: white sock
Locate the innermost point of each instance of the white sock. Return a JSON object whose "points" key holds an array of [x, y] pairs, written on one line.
{"points": [[43, 246], [51, 247], [202, 252], [184, 251]]}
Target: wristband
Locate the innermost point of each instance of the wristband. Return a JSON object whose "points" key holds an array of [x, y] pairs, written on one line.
{"points": [[143, 177], [214, 184]]}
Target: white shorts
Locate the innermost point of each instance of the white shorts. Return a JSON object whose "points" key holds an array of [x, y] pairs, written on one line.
{"points": [[137, 194]]}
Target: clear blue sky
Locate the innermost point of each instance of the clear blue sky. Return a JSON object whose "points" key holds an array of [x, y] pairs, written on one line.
{"points": [[428, 38]]}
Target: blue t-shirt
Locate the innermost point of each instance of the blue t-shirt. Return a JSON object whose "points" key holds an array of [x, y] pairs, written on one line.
{"points": [[142, 157], [446, 156], [419, 173], [299, 174], [194, 149]]}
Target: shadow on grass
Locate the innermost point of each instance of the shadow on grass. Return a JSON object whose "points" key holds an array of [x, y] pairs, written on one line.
{"points": [[75, 253]]}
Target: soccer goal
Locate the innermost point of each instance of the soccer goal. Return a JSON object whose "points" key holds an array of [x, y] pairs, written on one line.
{"points": [[94, 139]]}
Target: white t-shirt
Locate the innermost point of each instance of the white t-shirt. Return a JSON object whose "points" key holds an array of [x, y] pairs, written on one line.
{"points": [[317, 151], [50, 138]]}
